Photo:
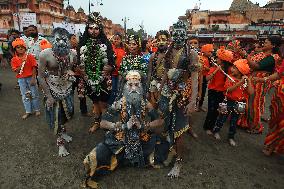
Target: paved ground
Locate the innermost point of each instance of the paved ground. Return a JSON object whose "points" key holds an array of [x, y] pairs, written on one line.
{"points": [[29, 156]]}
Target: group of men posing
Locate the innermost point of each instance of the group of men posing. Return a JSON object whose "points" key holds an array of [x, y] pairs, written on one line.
{"points": [[152, 102]]}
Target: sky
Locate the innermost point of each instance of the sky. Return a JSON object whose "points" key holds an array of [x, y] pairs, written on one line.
{"points": [[154, 15]]}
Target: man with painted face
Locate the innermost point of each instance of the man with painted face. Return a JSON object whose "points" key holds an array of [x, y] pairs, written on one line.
{"points": [[96, 63], [175, 98], [132, 138], [56, 78], [156, 70]]}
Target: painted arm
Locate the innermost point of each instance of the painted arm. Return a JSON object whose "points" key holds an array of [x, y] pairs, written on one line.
{"points": [[42, 78], [149, 74]]}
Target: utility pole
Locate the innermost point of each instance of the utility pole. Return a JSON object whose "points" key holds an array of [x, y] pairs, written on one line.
{"points": [[91, 4], [271, 20], [18, 15], [125, 27], [89, 7]]}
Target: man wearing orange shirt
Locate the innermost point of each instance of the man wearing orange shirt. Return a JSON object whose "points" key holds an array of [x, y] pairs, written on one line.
{"points": [[206, 51]]}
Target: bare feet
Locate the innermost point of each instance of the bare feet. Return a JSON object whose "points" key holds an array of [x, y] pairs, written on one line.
{"points": [[209, 132], [217, 136], [232, 142], [267, 151], [94, 128], [62, 152], [37, 113], [175, 171], [192, 133], [25, 116], [89, 184]]}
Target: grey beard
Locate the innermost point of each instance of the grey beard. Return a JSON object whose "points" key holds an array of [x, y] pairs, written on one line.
{"points": [[61, 51], [134, 98]]}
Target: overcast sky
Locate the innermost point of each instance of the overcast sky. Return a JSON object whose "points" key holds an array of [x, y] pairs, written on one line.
{"points": [[155, 14]]}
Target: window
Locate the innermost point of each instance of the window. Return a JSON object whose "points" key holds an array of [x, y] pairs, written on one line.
{"points": [[202, 21], [4, 7], [23, 6]]}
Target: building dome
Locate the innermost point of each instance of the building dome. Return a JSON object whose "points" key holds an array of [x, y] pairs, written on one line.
{"points": [[81, 10], [70, 8]]}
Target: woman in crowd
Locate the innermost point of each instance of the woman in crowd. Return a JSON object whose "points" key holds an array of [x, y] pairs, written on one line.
{"points": [[274, 140], [119, 53], [132, 61], [262, 65]]}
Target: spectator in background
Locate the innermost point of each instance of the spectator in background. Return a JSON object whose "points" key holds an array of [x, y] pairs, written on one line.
{"points": [[13, 34], [26, 35], [119, 53], [34, 41], [146, 50]]}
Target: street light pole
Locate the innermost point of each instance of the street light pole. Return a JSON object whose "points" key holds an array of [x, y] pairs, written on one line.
{"points": [[125, 26], [89, 7], [18, 14]]}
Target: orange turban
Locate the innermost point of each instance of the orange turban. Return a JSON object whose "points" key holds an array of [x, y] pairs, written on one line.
{"points": [[44, 44], [235, 44], [19, 42], [225, 55], [242, 65], [207, 48]]}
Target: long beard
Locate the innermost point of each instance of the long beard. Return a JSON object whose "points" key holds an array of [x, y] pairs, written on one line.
{"points": [[61, 50], [134, 98], [162, 48]]}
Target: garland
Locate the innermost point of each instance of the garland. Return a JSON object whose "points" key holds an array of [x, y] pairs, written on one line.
{"points": [[94, 57], [133, 62]]}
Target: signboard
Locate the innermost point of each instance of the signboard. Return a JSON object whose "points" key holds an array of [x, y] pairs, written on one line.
{"points": [[70, 27], [25, 19]]}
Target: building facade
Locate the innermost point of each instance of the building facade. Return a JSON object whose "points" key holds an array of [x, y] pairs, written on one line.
{"points": [[47, 13]]}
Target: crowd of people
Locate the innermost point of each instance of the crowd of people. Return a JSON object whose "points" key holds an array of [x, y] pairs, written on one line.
{"points": [[144, 92]]}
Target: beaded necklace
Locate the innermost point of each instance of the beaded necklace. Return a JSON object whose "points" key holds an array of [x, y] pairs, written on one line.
{"points": [[95, 58]]}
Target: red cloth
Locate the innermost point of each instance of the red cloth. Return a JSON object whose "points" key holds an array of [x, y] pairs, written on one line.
{"points": [[154, 49], [280, 69], [218, 81], [206, 64], [16, 63], [120, 53], [239, 94]]}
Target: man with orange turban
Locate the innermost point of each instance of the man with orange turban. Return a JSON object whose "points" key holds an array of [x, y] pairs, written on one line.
{"points": [[206, 53]]}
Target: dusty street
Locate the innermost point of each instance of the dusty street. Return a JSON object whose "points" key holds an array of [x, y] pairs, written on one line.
{"points": [[29, 155]]}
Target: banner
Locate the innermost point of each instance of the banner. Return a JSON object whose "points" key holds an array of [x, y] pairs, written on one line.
{"points": [[25, 19]]}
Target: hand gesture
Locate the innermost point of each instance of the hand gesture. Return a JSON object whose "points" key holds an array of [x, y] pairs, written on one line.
{"points": [[50, 102]]}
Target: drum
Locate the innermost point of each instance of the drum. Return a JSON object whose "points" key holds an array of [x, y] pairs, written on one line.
{"points": [[223, 107], [240, 107]]}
